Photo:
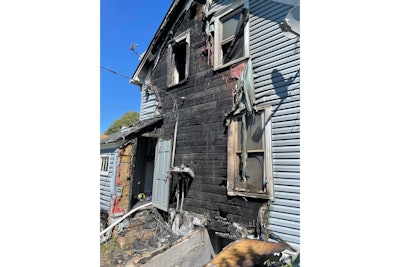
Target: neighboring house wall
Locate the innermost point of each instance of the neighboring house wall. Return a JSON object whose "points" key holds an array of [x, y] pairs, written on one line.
{"points": [[276, 61], [107, 182]]}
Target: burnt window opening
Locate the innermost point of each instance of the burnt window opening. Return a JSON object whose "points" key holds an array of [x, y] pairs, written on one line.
{"points": [[178, 64], [250, 157]]}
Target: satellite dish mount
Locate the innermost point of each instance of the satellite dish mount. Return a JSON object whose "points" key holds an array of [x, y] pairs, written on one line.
{"points": [[291, 24]]}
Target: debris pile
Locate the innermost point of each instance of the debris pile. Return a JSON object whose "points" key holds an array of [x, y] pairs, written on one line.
{"points": [[137, 238]]}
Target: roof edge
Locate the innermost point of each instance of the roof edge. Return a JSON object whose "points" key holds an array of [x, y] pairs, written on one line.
{"points": [[161, 29], [162, 32]]}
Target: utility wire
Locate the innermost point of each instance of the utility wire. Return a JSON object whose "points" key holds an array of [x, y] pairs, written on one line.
{"points": [[114, 105], [115, 72]]}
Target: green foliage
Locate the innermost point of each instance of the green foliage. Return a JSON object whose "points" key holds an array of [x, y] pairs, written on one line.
{"points": [[127, 119]]}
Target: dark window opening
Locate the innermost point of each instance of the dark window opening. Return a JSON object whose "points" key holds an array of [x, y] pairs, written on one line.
{"points": [[178, 64], [180, 61]]}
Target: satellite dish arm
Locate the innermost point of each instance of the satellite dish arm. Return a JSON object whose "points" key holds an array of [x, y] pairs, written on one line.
{"points": [[285, 27], [295, 33]]}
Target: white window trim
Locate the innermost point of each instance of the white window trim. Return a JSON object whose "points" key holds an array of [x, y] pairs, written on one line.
{"points": [[104, 173], [185, 36], [216, 20], [233, 163]]}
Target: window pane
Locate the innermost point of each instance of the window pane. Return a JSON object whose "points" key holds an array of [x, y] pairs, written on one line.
{"points": [[255, 131], [229, 26], [104, 164], [254, 173]]}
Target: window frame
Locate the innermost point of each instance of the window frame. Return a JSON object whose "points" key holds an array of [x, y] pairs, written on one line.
{"points": [[182, 38], [217, 20], [234, 161], [104, 158]]}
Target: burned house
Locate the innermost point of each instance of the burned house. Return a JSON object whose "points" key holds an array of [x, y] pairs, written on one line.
{"points": [[224, 78]]}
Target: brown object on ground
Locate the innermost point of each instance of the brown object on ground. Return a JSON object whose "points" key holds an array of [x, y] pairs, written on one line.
{"points": [[245, 253]]}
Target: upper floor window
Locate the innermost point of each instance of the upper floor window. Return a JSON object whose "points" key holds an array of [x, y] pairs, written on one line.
{"points": [[231, 41], [178, 59], [250, 156], [104, 165]]}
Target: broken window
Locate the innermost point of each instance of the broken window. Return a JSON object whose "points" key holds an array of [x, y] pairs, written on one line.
{"points": [[104, 165], [231, 34], [178, 63], [249, 155]]}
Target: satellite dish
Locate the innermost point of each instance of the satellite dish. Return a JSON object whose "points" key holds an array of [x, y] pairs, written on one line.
{"points": [[291, 24]]}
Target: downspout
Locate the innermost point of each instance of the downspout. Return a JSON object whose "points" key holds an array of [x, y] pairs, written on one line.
{"points": [[174, 144], [173, 159]]}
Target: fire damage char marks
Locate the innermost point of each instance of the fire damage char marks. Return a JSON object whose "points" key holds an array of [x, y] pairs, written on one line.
{"points": [[143, 236]]}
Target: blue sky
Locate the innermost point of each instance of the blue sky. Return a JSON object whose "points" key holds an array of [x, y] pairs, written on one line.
{"points": [[123, 23]]}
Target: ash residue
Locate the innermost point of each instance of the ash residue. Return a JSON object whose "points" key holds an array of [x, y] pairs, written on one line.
{"points": [[141, 236]]}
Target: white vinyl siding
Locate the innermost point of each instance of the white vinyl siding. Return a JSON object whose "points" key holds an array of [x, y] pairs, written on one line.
{"points": [[107, 182], [270, 50], [148, 105]]}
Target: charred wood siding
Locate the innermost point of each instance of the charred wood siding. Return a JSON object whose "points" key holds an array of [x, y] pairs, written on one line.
{"points": [[276, 61], [201, 102], [201, 141]]}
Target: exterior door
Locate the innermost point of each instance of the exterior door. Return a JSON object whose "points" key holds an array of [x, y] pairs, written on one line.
{"points": [[161, 183]]}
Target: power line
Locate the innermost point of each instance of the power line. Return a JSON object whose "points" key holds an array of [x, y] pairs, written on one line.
{"points": [[114, 105], [115, 72]]}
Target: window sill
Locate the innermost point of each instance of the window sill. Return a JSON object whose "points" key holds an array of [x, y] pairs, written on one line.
{"points": [[178, 84], [252, 195]]}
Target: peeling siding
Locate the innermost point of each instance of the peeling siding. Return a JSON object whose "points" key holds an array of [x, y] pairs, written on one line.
{"points": [[107, 183], [147, 106], [270, 50]]}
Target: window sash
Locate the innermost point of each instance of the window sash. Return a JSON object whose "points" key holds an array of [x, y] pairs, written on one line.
{"points": [[104, 165], [257, 188], [221, 42]]}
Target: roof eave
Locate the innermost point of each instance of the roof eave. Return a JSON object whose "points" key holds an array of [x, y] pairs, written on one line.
{"points": [[149, 56]]}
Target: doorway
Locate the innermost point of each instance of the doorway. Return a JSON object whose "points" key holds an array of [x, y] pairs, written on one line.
{"points": [[144, 168]]}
